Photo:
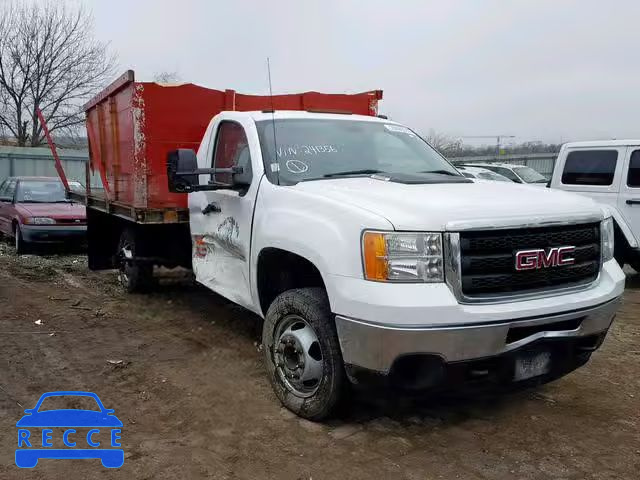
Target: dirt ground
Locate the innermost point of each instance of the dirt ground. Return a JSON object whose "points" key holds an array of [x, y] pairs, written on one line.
{"points": [[182, 369]]}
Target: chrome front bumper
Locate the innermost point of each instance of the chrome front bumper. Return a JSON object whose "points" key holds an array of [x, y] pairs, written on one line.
{"points": [[375, 347]]}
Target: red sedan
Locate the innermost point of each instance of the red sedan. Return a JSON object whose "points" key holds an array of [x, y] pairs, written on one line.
{"points": [[36, 210]]}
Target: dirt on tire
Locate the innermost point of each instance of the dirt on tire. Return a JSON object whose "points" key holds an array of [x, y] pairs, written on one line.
{"points": [[182, 367]]}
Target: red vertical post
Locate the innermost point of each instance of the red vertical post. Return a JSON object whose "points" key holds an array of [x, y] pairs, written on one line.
{"points": [[52, 146], [230, 100]]}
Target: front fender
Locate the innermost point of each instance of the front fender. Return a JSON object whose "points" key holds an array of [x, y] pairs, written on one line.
{"points": [[623, 225], [325, 232]]}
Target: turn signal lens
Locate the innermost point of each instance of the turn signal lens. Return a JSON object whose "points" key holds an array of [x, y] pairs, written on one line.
{"points": [[374, 249], [607, 234]]}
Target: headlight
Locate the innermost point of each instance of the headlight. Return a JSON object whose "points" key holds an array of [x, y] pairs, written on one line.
{"points": [[40, 221], [606, 232], [402, 257]]}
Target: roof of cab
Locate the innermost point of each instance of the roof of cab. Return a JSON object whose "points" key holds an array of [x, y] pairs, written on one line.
{"points": [[602, 143]]}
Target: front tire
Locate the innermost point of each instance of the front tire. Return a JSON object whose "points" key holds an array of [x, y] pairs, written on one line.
{"points": [[20, 244], [302, 354]]}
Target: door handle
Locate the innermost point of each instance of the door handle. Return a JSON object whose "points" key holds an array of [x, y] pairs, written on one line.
{"points": [[212, 207], [633, 201]]}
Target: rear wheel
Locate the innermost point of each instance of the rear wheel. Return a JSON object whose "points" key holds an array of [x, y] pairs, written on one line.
{"points": [[133, 276], [302, 354]]}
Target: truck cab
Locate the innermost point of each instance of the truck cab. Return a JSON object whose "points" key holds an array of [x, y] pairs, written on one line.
{"points": [[609, 172], [372, 259]]}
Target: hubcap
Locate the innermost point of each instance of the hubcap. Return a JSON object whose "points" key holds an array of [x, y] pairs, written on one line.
{"points": [[297, 356]]}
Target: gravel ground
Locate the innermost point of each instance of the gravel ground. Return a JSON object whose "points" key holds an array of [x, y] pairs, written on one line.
{"points": [[182, 369]]}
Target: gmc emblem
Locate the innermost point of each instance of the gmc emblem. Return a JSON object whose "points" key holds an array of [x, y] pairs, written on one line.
{"points": [[541, 258]]}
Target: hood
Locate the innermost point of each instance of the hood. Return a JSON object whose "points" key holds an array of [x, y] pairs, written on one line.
{"points": [[53, 210], [440, 207]]}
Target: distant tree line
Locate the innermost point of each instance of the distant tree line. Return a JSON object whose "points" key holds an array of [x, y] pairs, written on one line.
{"points": [[451, 146]]}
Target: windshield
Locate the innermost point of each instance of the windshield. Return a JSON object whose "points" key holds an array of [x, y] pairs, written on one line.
{"points": [[310, 149], [493, 176], [529, 175], [40, 191]]}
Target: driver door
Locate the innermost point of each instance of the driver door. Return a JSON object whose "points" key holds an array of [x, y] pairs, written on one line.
{"points": [[221, 219]]}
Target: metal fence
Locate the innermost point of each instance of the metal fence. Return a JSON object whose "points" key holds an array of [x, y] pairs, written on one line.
{"points": [[540, 162], [38, 161]]}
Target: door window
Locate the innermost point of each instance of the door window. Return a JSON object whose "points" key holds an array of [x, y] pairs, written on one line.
{"points": [[231, 150], [633, 177], [590, 167]]}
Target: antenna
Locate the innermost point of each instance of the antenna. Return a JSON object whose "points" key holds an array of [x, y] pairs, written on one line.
{"points": [[273, 125]]}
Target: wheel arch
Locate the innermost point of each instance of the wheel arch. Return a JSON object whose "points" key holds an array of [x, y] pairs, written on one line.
{"points": [[279, 270]]}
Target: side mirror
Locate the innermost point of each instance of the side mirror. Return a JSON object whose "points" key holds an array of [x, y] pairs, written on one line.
{"points": [[182, 165], [183, 172], [29, 410]]}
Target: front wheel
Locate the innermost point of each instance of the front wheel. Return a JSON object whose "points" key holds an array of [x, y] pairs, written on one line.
{"points": [[22, 247], [302, 354]]}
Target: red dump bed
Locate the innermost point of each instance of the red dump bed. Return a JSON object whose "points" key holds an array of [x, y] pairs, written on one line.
{"points": [[132, 126]]}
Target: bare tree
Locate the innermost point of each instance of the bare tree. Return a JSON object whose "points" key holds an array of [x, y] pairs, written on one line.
{"points": [[445, 144], [166, 77], [49, 59]]}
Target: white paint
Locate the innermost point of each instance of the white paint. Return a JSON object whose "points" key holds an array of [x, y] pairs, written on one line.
{"points": [[225, 267], [431, 207], [613, 196]]}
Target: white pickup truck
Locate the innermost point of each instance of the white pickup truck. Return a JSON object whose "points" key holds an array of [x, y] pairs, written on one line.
{"points": [[371, 258]]}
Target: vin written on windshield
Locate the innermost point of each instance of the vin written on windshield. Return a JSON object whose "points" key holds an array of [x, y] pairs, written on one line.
{"points": [[311, 149]]}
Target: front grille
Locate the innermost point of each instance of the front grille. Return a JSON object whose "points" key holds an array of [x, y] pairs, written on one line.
{"points": [[487, 259]]}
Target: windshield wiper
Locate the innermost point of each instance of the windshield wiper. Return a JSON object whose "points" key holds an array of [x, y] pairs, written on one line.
{"points": [[365, 171]]}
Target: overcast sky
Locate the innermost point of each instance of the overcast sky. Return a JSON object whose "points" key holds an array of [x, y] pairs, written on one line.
{"points": [[541, 70]]}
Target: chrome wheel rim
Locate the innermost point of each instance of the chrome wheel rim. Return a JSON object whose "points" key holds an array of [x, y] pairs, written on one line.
{"points": [[297, 356]]}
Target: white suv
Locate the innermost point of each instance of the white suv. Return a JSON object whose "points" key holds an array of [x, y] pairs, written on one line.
{"points": [[609, 172]]}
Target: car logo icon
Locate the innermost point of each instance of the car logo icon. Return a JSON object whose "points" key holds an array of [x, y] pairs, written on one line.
{"points": [[77, 444]]}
